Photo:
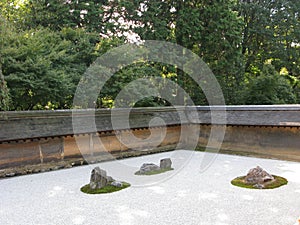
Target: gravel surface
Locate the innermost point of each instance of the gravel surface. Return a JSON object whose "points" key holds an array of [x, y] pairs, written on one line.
{"points": [[185, 195]]}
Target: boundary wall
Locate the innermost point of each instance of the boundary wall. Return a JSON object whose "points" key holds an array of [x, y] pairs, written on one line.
{"points": [[48, 137]]}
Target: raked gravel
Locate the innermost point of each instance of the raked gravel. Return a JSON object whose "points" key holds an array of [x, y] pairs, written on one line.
{"points": [[186, 195]]}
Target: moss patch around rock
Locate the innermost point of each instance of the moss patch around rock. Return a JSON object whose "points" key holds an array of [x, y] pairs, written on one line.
{"points": [[279, 181], [106, 189]]}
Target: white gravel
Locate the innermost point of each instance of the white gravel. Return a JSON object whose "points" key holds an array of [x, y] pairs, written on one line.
{"points": [[185, 195]]}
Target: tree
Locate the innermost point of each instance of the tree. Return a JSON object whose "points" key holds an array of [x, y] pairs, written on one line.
{"points": [[42, 67], [271, 31], [5, 100], [210, 29], [14, 12], [46, 46], [269, 88], [220, 46], [89, 15], [4, 94]]}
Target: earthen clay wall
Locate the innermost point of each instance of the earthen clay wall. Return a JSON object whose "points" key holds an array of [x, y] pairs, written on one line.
{"points": [[41, 137]]}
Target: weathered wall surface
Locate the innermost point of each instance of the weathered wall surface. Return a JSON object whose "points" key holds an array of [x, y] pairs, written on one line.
{"points": [[40, 124], [40, 137], [267, 141], [43, 150]]}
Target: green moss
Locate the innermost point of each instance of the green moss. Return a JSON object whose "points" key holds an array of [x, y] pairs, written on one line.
{"points": [[279, 181], [106, 189], [154, 172]]}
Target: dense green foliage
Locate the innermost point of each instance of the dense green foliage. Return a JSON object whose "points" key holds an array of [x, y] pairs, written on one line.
{"points": [[269, 88], [46, 46], [4, 93], [42, 67]]}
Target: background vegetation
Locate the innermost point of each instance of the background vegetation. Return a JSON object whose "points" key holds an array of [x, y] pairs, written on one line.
{"points": [[46, 45]]}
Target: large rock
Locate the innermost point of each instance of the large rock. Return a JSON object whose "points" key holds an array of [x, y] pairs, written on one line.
{"points": [[148, 167], [258, 176], [165, 163], [99, 178]]}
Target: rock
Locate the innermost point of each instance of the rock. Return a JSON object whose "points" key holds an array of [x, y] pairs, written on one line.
{"points": [[98, 179], [148, 167], [77, 163], [10, 174], [37, 170], [165, 163], [68, 166], [258, 176], [23, 172], [110, 179], [117, 184], [55, 168], [18, 173], [259, 186]]}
